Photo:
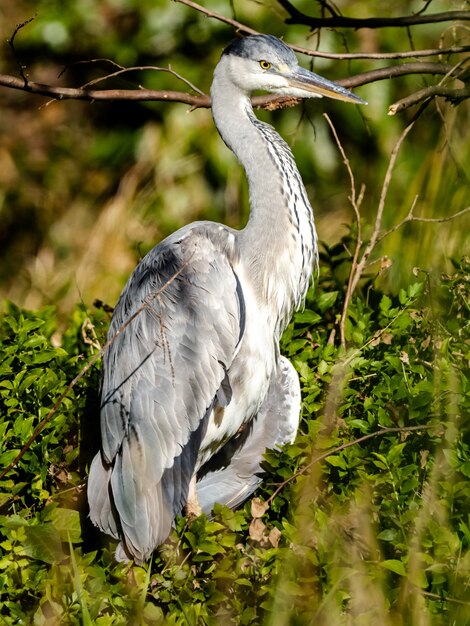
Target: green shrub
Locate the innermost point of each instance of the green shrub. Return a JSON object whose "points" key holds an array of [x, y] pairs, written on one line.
{"points": [[365, 519]]}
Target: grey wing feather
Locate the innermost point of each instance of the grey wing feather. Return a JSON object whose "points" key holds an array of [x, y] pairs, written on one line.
{"points": [[232, 475], [98, 497], [162, 373]]}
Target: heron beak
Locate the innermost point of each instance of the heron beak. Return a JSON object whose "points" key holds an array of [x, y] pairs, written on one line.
{"points": [[318, 86]]}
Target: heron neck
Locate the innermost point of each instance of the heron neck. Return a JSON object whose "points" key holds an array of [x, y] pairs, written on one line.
{"points": [[278, 243], [237, 125]]}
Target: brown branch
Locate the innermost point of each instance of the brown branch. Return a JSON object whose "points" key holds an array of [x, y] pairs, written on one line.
{"points": [[453, 95], [425, 95], [340, 21], [137, 95], [401, 69], [428, 93], [88, 62], [79, 93], [202, 100]]}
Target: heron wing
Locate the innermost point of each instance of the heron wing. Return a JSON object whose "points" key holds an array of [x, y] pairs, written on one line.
{"points": [[234, 473], [174, 332]]}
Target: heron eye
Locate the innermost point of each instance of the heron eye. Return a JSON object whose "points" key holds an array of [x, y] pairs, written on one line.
{"points": [[265, 65]]}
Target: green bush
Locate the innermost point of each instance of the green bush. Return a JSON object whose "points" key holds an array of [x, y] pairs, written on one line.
{"points": [[364, 519]]}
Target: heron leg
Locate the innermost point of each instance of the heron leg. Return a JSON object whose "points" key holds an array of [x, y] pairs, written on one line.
{"points": [[192, 507], [233, 474]]}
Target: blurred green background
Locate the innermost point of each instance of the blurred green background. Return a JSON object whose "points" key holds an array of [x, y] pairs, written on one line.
{"points": [[86, 189]]}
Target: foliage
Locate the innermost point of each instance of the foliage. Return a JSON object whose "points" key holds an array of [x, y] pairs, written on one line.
{"points": [[373, 526], [73, 173]]}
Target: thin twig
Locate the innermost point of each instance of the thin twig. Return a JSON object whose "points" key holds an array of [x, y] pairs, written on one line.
{"points": [[11, 43], [414, 218], [344, 446], [356, 272], [239, 27], [43, 423], [378, 56], [67, 67], [141, 68], [355, 203], [424, 7]]}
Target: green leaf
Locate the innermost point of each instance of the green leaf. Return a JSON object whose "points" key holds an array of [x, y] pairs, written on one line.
{"points": [[307, 317], [302, 368], [395, 453], [12, 521], [43, 543], [362, 425], [337, 461], [326, 300], [29, 325], [385, 303], [415, 290], [387, 535], [67, 523], [39, 358], [210, 547], [394, 566]]}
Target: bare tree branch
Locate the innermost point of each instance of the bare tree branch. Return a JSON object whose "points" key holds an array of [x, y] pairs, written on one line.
{"points": [[203, 100], [136, 95], [244, 29], [340, 21], [81, 93], [453, 95], [410, 54], [358, 265], [402, 69]]}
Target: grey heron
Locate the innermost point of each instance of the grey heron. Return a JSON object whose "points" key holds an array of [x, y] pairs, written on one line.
{"points": [[194, 388]]}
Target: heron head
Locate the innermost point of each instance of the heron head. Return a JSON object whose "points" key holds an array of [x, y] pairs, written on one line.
{"points": [[264, 62]]}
